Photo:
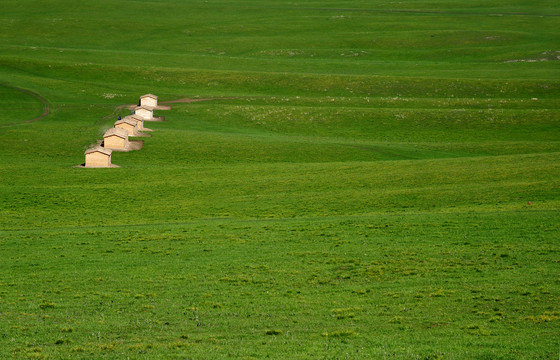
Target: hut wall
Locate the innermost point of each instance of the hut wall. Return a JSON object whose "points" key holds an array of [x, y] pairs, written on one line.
{"points": [[97, 159], [144, 113], [148, 101], [115, 142], [131, 130]]}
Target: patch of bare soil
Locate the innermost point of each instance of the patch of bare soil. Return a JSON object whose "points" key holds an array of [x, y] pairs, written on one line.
{"points": [[156, 118], [141, 134], [128, 106], [132, 145], [546, 56], [135, 144]]}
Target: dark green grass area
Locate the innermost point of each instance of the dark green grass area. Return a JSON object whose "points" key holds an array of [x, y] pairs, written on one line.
{"points": [[361, 180], [19, 106], [446, 39], [360, 286], [257, 191]]}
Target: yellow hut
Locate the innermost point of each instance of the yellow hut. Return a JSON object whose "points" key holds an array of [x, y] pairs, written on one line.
{"points": [[129, 125], [98, 157], [146, 113], [116, 139], [139, 121], [149, 100]]}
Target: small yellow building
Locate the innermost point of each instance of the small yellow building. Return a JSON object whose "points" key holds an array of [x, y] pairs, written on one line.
{"points": [[139, 121], [129, 125], [148, 100], [115, 139], [98, 157], [146, 113]]}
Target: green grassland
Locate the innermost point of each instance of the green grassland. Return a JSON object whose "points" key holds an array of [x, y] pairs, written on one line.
{"points": [[364, 181]]}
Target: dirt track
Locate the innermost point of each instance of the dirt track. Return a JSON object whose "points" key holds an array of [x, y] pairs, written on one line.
{"points": [[46, 109], [177, 101], [187, 100]]}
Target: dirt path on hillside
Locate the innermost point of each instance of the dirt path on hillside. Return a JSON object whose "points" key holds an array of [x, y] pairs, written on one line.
{"points": [[116, 111], [163, 107], [189, 100], [46, 109]]}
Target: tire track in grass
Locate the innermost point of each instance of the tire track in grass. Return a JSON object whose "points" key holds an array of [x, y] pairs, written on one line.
{"points": [[221, 220], [176, 101], [46, 108], [188, 100], [421, 12]]}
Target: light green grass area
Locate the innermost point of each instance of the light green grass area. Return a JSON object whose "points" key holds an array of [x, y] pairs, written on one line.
{"points": [[362, 181]]}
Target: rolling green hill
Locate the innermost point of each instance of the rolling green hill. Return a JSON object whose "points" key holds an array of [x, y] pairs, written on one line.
{"points": [[356, 180]]}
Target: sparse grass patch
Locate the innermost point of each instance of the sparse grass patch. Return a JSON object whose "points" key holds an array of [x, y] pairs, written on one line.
{"points": [[339, 334]]}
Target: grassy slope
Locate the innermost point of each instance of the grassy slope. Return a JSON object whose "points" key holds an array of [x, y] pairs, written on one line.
{"points": [[362, 193], [19, 105]]}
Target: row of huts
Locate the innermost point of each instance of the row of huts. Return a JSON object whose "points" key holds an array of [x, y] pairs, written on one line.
{"points": [[117, 137]]}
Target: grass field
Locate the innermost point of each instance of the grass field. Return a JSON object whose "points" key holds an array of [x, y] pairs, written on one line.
{"points": [[368, 181]]}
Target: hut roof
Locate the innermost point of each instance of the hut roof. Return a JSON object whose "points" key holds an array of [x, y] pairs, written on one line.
{"points": [[134, 117], [126, 121], [149, 95], [117, 132], [144, 107], [100, 149]]}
